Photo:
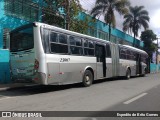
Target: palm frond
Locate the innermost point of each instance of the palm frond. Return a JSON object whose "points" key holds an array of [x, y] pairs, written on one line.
{"points": [[101, 1], [108, 7], [98, 9], [144, 18], [139, 8], [144, 23], [135, 19], [144, 12], [126, 16]]}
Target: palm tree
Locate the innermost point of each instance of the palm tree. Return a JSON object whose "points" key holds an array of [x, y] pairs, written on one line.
{"points": [[135, 19], [107, 8]]}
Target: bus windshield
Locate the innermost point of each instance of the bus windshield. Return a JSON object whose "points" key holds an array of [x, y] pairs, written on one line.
{"points": [[22, 39]]}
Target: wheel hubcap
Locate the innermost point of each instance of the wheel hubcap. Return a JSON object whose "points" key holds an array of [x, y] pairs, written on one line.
{"points": [[87, 79]]}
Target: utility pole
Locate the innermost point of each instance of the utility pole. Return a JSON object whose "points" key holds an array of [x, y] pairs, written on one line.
{"points": [[67, 7], [40, 3]]}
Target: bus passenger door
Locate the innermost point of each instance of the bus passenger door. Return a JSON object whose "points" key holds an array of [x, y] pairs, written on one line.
{"points": [[138, 64], [101, 61]]}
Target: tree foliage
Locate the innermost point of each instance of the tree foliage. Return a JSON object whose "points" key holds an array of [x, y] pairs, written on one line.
{"points": [[107, 8], [60, 12], [135, 19], [71, 10], [148, 37], [50, 13], [81, 26]]}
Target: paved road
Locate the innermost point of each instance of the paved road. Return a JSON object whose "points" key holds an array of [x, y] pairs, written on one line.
{"points": [[139, 93], [145, 101]]}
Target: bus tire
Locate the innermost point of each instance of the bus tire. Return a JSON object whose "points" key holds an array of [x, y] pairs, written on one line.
{"points": [[128, 74], [87, 78]]}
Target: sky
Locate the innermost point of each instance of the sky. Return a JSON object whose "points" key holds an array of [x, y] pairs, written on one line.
{"points": [[152, 6]]}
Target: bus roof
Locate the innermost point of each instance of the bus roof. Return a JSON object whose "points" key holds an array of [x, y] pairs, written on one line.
{"points": [[68, 32], [44, 25], [136, 49]]}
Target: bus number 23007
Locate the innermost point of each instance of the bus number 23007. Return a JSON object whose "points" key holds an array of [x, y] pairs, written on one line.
{"points": [[64, 59]]}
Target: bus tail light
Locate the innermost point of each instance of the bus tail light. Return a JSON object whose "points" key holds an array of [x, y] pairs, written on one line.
{"points": [[36, 64]]}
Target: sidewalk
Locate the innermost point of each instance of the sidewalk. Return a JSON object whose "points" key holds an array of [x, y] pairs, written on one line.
{"points": [[13, 85]]}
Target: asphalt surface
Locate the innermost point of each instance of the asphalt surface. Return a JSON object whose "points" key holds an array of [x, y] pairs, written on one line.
{"points": [[136, 94], [150, 101]]}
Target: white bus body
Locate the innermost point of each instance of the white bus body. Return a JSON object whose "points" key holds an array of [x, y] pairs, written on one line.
{"points": [[51, 55]]}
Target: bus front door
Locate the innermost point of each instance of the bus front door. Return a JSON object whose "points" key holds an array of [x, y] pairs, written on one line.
{"points": [[138, 64], [101, 61]]}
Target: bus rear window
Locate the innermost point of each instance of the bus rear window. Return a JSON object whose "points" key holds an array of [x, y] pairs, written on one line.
{"points": [[22, 40]]}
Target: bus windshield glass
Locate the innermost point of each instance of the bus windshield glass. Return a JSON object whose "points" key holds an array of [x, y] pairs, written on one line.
{"points": [[22, 39]]}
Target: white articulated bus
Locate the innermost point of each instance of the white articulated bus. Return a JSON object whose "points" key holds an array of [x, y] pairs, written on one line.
{"points": [[50, 55]]}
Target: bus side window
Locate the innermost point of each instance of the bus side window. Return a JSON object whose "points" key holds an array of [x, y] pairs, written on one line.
{"points": [[62, 38], [131, 55], [71, 40], [75, 45], [123, 53], [91, 44], [88, 48], [134, 55], [78, 42], [91, 48], [58, 46], [85, 42], [108, 51], [53, 37], [128, 54]]}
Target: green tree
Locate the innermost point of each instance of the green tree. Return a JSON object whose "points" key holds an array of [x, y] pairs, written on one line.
{"points": [[135, 19], [82, 25], [148, 37], [69, 9], [50, 12], [108, 8]]}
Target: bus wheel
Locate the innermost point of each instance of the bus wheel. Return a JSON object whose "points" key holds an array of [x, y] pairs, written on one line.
{"points": [[128, 74], [87, 78]]}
